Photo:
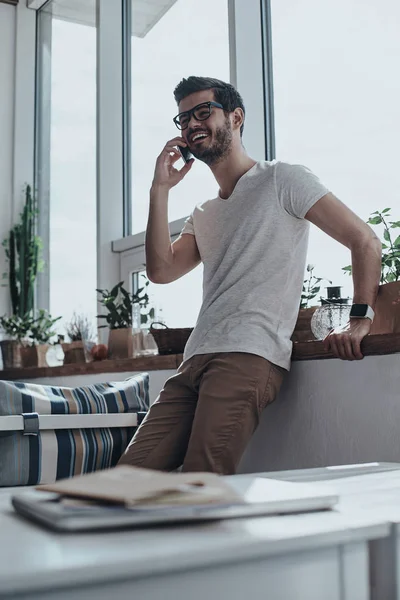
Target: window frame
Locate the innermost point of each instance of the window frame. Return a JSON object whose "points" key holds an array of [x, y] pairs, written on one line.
{"points": [[131, 251], [24, 105], [42, 120], [23, 65]]}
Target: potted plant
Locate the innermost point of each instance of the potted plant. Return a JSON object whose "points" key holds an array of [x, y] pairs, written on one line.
{"points": [[143, 318], [311, 287], [79, 331], [33, 353], [16, 330], [120, 304], [387, 309], [22, 248]]}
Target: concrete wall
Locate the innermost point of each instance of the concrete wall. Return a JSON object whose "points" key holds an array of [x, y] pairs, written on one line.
{"points": [[7, 69], [329, 412]]}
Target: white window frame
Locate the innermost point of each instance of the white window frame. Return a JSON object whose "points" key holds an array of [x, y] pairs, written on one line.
{"points": [[42, 149], [249, 43], [24, 104], [110, 141], [23, 111], [132, 252], [23, 65]]}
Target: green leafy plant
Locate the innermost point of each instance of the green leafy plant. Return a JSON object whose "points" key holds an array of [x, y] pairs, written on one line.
{"points": [[28, 329], [311, 287], [22, 248], [79, 328], [41, 331], [16, 327], [119, 303], [145, 317], [390, 247]]}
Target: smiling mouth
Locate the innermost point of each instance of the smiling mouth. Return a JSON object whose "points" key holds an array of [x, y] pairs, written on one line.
{"points": [[198, 137]]}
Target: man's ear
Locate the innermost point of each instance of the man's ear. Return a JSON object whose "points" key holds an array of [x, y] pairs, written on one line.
{"points": [[237, 118]]}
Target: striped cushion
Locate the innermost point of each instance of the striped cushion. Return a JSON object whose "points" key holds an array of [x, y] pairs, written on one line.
{"points": [[38, 448]]}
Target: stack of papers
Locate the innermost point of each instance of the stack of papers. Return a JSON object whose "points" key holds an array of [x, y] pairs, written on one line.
{"points": [[133, 486]]}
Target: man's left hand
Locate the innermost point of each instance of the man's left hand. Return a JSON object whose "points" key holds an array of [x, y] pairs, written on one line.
{"points": [[344, 342]]}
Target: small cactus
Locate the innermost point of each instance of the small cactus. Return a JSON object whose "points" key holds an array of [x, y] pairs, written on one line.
{"points": [[22, 249]]}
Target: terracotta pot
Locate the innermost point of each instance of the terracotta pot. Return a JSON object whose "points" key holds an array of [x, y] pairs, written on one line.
{"points": [[387, 309], [302, 331], [74, 352], [120, 343], [11, 352], [34, 356]]}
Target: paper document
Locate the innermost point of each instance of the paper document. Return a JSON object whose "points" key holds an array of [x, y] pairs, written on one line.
{"points": [[131, 497], [136, 486]]}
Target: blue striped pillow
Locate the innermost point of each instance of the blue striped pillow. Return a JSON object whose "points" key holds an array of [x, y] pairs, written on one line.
{"points": [[59, 453]]}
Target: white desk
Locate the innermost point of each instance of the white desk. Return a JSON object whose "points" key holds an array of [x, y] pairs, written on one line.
{"points": [[298, 557], [366, 491]]}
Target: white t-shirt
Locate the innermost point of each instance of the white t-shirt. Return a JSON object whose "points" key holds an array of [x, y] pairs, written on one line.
{"points": [[254, 249]]}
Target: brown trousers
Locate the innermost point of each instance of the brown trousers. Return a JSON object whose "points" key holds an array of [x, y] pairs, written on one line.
{"points": [[205, 414]]}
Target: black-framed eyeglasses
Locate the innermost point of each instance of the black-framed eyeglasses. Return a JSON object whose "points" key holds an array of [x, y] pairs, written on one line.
{"points": [[201, 112]]}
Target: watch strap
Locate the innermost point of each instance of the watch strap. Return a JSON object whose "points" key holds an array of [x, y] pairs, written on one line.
{"points": [[369, 314]]}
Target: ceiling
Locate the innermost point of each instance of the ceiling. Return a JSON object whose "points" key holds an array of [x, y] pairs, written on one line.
{"points": [[145, 13]]}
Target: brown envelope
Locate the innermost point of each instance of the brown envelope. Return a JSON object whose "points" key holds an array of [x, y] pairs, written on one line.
{"points": [[136, 486]]}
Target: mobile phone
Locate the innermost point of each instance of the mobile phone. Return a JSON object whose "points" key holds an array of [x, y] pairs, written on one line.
{"points": [[185, 153]]}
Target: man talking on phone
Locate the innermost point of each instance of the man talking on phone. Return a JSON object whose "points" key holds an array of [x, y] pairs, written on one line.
{"points": [[252, 239]]}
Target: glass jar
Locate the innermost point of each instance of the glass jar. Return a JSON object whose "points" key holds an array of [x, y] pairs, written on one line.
{"points": [[328, 317]]}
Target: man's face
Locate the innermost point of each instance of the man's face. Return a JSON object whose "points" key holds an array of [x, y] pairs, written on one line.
{"points": [[218, 129]]}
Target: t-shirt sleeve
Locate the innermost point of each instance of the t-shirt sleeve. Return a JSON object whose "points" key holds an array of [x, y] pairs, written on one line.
{"points": [[298, 189], [188, 226]]}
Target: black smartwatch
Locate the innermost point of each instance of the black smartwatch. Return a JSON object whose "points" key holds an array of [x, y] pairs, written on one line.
{"points": [[362, 311]]}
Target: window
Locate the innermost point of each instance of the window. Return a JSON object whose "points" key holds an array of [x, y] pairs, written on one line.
{"points": [[336, 106], [170, 302], [192, 38], [66, 161]]}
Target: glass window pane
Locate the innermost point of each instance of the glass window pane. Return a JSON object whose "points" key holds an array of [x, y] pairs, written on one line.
{"points": [[72, 157], [190, 39], [176, 304], [336, 106]]}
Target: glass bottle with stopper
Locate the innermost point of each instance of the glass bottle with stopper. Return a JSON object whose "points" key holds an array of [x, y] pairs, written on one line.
{"points": [[334, 312]]}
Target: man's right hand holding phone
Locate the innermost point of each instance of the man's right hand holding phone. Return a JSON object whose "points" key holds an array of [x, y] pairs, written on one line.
{"points": [[166, 175]]}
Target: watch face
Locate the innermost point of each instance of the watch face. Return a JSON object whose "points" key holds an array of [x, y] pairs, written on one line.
{"points": [[359, 310]]}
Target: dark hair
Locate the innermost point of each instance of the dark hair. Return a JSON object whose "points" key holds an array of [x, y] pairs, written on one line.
{"points": [[224, 93]]}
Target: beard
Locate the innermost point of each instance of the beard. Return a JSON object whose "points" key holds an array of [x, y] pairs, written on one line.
{"points": [[219, 149]]}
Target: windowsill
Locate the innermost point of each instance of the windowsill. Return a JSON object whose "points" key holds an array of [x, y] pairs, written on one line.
{"points": [[132, 242], [373, 345], [144, 363]]}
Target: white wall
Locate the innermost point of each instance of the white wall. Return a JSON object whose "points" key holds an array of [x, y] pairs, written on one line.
{"points": [[331, 412], [7, 69]]}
